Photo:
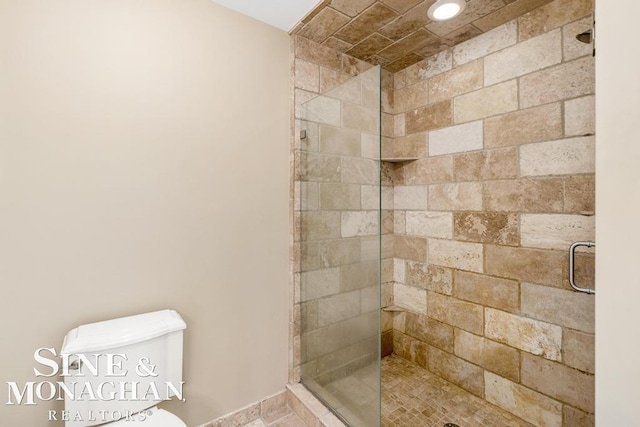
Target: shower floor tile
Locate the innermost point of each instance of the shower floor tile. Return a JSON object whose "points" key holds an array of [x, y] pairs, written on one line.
{"points": [[414, 397]]}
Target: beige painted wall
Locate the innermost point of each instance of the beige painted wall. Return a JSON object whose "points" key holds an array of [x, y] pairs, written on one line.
{"points": [[617, 227], [144, 163]]}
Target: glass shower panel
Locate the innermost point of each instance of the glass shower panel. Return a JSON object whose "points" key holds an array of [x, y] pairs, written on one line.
{"points": [[338, 167]]}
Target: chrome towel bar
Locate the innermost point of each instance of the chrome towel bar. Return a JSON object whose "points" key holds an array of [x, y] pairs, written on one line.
{"points": [[572, 256]]}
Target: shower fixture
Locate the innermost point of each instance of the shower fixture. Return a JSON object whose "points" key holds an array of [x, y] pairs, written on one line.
{"points": [[585, 37]]}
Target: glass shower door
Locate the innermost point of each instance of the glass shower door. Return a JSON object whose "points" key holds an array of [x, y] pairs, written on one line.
{"points": [[338, 179]]}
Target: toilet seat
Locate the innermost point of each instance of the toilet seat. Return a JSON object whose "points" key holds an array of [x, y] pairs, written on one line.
{"points": [[155, 417]]}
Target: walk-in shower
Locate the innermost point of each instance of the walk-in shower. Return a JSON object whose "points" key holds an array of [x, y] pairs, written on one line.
{"points": [[444, 215]]}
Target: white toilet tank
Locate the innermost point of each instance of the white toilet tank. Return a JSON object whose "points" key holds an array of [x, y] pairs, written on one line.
{"points": [[120, 368]]}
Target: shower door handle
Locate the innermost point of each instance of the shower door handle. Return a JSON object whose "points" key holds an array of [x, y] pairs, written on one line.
{"points": [[572, 256]]}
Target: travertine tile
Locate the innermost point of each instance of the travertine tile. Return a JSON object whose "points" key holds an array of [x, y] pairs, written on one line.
{"points": [[454, 254], [458, 196], [322, 109], [511, 11], [460, 80], [366, 23], [337, 44], [486, 227], [455, 312], [388, 124], [430, 117], [429, 224], [307, 196], [568, 80], [410, 348], [460, 35], [359, 171], [333, 253], [526, 57], [500, 163], [401, 5], [239, 418], [558, 306], [336, 308], [410, 146], [359, 223], [369, 46], [330, 79], [456, 370], [490, 101], [360, 118], [343, 142], [413, 299], [532, 125], [349, 91], [399, 125], [572, 417], [323, 25], [413, 197], [319, 225], [530, 335], [406, 23], [317, 53], [552, 231], [561, 157], [410, 248], [399, 222], [578, 350], [524, 195], [495, 357], [456, 139], [414, 42], [579, 194], [429, 170], [429, 331], [580, 116], [530, 265], [490, 291], [370, 146], [399, 271], [411, 97], [403, 62], [413, 397], [432, 66], [351, 7], [559, 381], [525, 403], [307, 75], [336, 196], [503, 36], [552, 15], [427, 276], [320, 283], [373, 197], [571, 47]]}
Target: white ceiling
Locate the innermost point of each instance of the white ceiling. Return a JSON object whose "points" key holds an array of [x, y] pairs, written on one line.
{"points": [[283, 14]]}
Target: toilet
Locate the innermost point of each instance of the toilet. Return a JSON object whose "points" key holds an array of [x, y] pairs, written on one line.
{"points": [[119, 370]]}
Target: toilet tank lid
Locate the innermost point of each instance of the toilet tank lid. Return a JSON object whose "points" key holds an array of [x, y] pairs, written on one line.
{"points": [[121, 332]]}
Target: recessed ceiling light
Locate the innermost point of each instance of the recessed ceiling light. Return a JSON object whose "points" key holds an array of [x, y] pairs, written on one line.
{"points": [[446, 9]]}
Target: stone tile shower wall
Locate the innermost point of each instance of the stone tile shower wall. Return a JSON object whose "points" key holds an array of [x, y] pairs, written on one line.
{"points": [[336, 213], [502, 127]]}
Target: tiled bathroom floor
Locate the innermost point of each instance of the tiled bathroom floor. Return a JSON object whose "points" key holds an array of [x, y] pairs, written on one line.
{"points": [[412, 397], [290, 420]]}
